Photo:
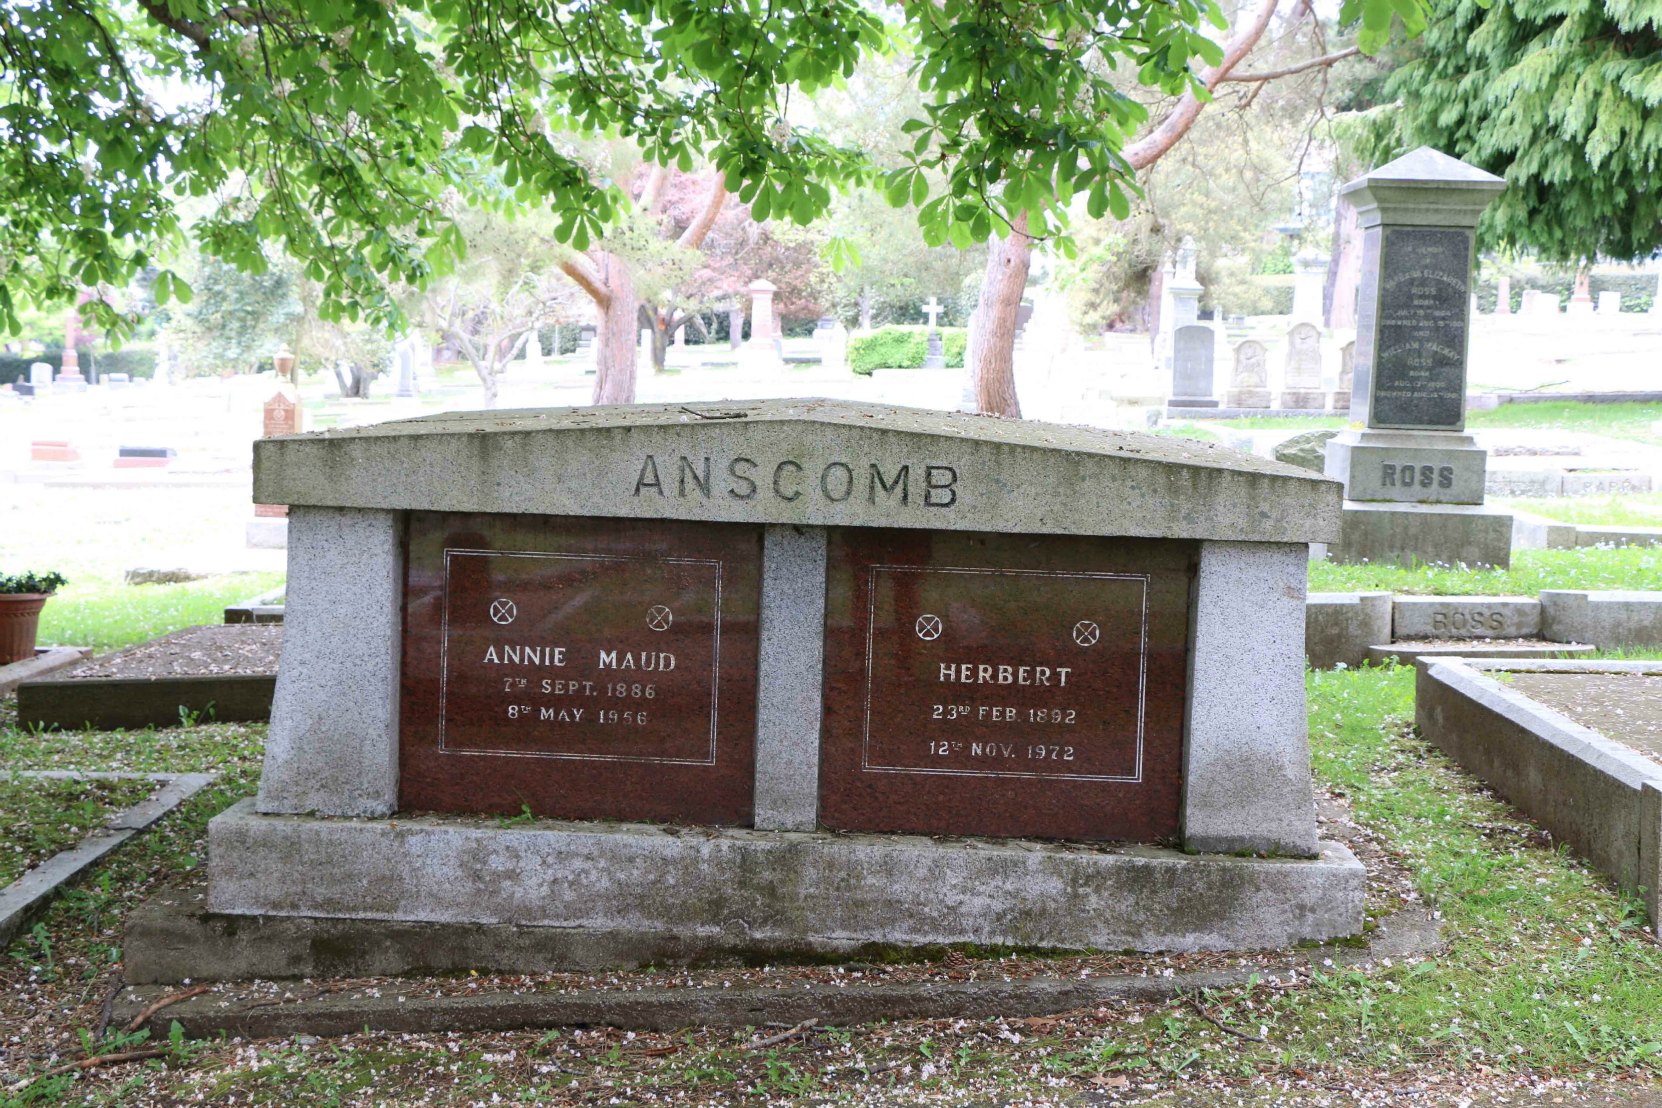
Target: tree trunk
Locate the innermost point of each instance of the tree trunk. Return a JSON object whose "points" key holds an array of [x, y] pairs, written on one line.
{"points": [[660, 342], [1344, 271], [993, 374], [866, 300], [615, 340], [492, 384]]}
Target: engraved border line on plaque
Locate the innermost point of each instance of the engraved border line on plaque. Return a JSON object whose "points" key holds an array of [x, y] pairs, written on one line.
{"points": [[1143, 581], [715, 663]]}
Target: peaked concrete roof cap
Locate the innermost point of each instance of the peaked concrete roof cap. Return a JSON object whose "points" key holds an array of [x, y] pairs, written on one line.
{"points": [[1424, 186], [1433, 168], [818, 462]]}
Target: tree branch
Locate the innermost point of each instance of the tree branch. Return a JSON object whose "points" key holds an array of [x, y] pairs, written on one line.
{"points": [[1151, 149], [582, 271], [654, 188], [1314, 63], [157, 10], [693, 237]]}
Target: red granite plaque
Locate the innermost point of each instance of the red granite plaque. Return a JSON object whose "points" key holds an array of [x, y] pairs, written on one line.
{"points": [[280, 416], [588, 668], [1010, 685]]}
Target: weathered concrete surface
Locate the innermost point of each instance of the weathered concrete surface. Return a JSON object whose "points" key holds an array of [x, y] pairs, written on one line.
{"points": [[390, 1008], [1607, 619], [1340, 626], [789, 678], [804, 462], [1465, 617], [1586, 789], [1409, 653], [1246, 755], [1447, 468], [44, 664], [776, 890], [1407, 534], [333, 743]]}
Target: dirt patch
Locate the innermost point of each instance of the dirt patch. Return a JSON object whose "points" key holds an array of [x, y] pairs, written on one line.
{"points": [[1626, 707], [246, 648]]}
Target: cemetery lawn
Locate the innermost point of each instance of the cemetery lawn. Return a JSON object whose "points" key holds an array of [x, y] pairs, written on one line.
{"points": [[1618, 421], [1591, 567], [1631, 509], [1547, 980], [108, 614]]}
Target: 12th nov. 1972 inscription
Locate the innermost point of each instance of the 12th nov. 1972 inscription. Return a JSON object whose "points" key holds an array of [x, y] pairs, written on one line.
{"points": [[1419, 367], [587, 668], [1004, 685]]}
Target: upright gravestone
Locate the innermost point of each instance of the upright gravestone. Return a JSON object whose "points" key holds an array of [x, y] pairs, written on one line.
{"points": [[1193, 352], [1301, 385], [1414, 480], [40, 377], [935, 353], [1249, 387], [760, 353], [69, 377], [1347, 377], [1503, 296], [1309, 278], [837, 639], [280, 415]]}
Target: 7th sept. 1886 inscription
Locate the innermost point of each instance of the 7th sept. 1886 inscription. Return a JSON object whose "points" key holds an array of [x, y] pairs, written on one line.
{"points": [[1419, 368], [1003, 685], [585, 668]]}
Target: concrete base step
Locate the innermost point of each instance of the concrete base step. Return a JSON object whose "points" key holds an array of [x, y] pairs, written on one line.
{"points": [[1407, 653]]}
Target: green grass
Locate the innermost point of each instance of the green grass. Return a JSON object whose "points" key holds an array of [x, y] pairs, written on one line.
{"points": [[1619, 421], [44, 816], [1631, 567], [1293, 425], [107, 615], [1628, 509]]}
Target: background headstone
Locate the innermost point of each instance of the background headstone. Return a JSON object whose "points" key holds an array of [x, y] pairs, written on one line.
{"points": [[1301, 387], [1309, 278], [1347, 377], [1193, 351], [1249, 386]]}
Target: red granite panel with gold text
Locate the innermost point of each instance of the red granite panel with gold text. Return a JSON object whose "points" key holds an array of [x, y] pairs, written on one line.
{"points": [[587, 668], [1007, 685]]}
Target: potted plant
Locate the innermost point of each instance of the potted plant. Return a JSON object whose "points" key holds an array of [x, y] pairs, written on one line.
{"points": [[21, 598]]}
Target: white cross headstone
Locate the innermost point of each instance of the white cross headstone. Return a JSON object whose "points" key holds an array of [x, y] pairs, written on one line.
{"points": [[933, 309]]}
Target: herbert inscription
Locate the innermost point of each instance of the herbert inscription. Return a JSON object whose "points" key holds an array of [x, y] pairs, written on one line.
{"points": [[1419, 367], [586, 668], [1002, 685]]}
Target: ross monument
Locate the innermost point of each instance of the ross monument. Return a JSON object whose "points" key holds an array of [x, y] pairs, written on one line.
{"points": [[832, 675], [1414, 479]]}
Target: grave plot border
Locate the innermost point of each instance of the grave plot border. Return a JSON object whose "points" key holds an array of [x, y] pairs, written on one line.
{"points": [[108, 703], [25, 898], [1602, 797], [259, 609], [47, 660]]}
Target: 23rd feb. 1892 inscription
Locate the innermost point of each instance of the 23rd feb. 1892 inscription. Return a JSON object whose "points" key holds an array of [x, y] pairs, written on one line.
{"points": [[1419, 368], [1004, 685]]}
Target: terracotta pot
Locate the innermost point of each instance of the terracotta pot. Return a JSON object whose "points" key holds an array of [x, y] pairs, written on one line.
{"points": [[19, 623]]}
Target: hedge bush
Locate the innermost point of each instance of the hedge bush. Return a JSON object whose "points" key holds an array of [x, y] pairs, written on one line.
{"points": [[899, 347], [138, 361]]}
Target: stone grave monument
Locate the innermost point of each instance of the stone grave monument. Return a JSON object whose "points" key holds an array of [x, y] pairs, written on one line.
{"points": [[1347, 377], [1309, 278], [281, 415], [1503, 295], [1193, 351], [935, 355], [1249, 386], [1414, 479], [69, 377], [828, 674], [760, 352], [1301, 385]]}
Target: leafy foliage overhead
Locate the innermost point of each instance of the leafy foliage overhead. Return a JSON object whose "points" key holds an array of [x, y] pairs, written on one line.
{"points": [[1561, 97], [340, 127]]}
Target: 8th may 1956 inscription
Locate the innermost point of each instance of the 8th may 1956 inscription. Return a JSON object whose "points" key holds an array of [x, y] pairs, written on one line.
{"points": [[1002, 685], [585, 668], [1419, 370]]}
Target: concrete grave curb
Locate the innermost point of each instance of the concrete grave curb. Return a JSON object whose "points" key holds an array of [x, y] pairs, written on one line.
{"points": [[1599, 795], [106, 703], [1340, 626], [43, 664], [1608, 618], [388, 1007], [28, 895], [1535, 532]]}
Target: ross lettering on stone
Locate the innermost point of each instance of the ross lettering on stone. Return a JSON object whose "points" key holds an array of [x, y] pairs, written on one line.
{"points": [[833, 482]]}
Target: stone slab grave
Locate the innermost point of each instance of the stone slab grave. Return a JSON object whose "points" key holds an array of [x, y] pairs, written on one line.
{"points": [[788, 678], [1414, 479], [1575, 745], [1469, 626], [225, 674]]}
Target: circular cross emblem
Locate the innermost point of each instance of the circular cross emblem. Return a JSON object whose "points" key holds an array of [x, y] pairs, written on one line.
{"points": [[503, 611], [659, 617], [1086, 632], [928, 627]]}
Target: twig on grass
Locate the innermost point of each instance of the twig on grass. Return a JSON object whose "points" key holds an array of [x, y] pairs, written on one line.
{"points": [[775, 1040], [1219, 1024], [172, 998], [92, 1063]]}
